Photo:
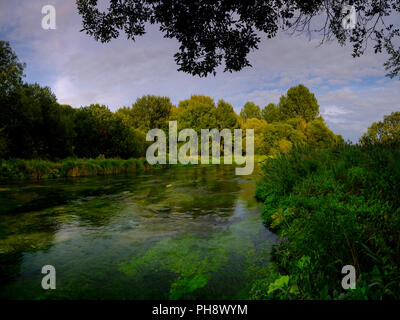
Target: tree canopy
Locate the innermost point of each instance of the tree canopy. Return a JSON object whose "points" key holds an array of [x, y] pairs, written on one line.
{"points": [[34, 125], [198, 112], [149, 112], [271, 113], [212, 33], [226, 116], [250, 110], [299, 102], [383, 132], [11, 69]]}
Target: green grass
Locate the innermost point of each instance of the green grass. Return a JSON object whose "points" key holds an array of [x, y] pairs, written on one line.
{"points": [[332, 208], [73, 167], [44, 169]]}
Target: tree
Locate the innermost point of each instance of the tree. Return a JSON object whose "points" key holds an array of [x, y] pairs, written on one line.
{"points": [[11, 69], [319, 135], [250, 110], [271, 113], [259, 126], [198, 112], [59, 133], [299, 102], [32, 123], [11, 73], [101, 132], [150, 112], [383, 132], [281, 136], [125, 141], [35, 125], [226, 116], [216, 32], [91, 127]]}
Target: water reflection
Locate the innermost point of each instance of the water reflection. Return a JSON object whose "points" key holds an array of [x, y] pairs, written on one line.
{"points": [[189, 232]]}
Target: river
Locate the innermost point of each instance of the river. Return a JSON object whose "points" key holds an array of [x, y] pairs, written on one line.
{"points": [[191, 232]]}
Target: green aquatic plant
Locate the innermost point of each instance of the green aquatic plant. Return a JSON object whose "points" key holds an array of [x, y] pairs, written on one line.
{"points": [[195, 260], [184, 256], [126, 237]]}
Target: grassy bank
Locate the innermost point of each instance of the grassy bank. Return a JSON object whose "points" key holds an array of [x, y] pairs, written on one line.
{"points": [[332, 208], [44, 169]]}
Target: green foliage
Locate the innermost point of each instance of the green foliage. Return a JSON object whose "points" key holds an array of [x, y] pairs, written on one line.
{"points": [[11, 69], [102, 132], [319, 135], [294, 122], [383, 132], [198, 112], [334, 207], [259, 128], [271, 113], [281, 136], [34, 125], [226, 116], [70, 167], [250, 110], [149, 112], [211, 34], [299, 102]]}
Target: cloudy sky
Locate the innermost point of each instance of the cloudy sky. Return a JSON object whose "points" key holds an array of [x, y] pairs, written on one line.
{"points": [[352, 93]]}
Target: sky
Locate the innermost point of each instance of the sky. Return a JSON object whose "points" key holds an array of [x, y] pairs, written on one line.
{"points": [[352, 93]]}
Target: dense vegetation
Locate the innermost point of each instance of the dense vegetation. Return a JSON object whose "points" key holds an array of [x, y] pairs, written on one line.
{"points": [[70, 167], [335, 207], [33, 125], [333, 204]]}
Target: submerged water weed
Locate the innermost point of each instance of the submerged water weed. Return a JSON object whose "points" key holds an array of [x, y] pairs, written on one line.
{"points": [[194, 260], [134, 238]]}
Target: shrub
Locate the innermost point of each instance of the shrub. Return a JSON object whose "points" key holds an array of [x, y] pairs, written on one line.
{"points": [[334, 207]]}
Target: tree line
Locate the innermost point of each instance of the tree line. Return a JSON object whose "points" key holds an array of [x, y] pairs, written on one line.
{"points": [[34, 125]]}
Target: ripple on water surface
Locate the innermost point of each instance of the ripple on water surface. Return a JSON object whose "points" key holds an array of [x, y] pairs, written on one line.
{"points": [[187, 232]]}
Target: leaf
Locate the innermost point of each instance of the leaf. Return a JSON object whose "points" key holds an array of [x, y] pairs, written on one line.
{"points": [[279, 283]]}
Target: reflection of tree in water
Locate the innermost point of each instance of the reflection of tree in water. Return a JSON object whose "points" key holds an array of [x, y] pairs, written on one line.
{"points": [[20, 234], [51, 193], [198, 191], [202, 207]]}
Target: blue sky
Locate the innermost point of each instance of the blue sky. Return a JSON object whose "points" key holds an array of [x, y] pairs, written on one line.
{"points": [[352, 93]]}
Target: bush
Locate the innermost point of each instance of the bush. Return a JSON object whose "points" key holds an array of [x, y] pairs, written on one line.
{"points": [[71, 167], [332, 208]]}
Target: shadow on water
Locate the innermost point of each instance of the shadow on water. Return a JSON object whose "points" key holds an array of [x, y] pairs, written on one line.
{"points": [[187, 232]]}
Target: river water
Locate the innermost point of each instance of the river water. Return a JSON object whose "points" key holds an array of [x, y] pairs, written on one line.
{"points": [[181, 233]]}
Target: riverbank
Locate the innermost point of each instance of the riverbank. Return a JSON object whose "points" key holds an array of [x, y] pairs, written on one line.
{"points": [[36, 169], [332, 208], [44, 169]]}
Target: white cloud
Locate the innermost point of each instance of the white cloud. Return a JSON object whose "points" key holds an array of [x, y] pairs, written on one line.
{"points": [[334, 111], [350, 111]]}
